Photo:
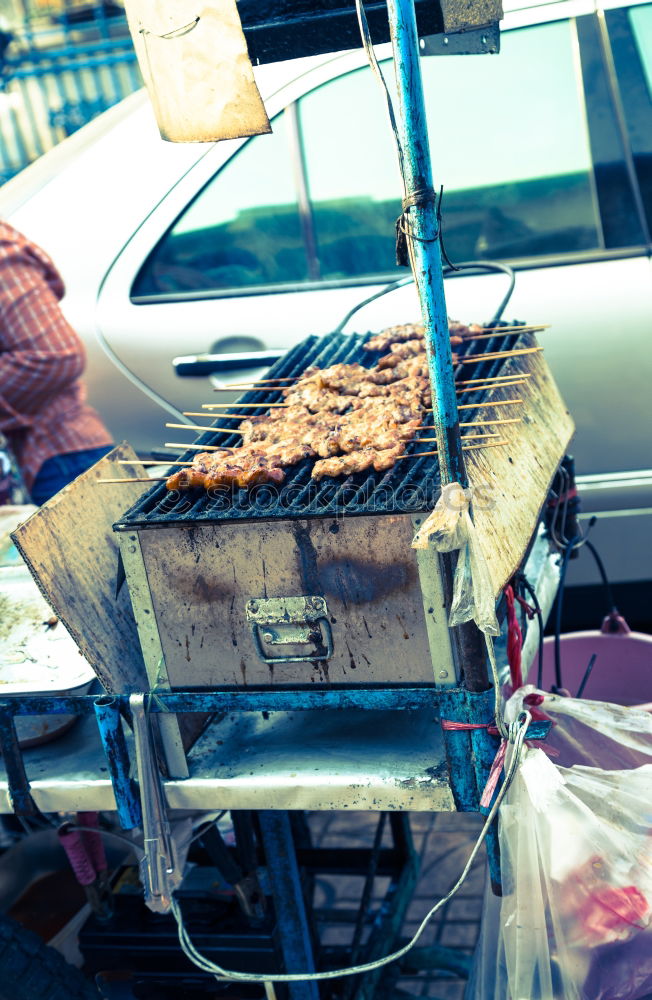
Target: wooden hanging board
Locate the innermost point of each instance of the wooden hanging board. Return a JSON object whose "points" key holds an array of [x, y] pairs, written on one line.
{"points": [[194, 61]]}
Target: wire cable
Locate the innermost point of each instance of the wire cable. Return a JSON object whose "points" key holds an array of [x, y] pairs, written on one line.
{"points": [[568, 551], [135, 847], [469, 265], [537, 607], [603, 573], [392, 286], [517, 736]]}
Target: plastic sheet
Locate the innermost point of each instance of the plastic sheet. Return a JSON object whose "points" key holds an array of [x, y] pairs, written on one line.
{"points": [[449, 527], [575, 919], [595, 733]]}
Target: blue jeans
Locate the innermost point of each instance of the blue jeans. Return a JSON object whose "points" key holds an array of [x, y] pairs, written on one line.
{"points": [[58, 471]]}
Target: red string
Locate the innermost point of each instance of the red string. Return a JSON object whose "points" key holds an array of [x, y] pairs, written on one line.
{"points": [[529, 610], [489, 726], [514, 640]]}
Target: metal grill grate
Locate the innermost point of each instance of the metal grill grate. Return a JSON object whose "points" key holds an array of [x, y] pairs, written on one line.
{"points": [[410, 486]]}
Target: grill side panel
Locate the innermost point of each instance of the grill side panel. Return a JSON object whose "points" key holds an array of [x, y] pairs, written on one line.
{"points": [[201, 579]]}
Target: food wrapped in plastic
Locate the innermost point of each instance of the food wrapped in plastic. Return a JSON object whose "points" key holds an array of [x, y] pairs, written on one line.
{"points": [[575, 918]]}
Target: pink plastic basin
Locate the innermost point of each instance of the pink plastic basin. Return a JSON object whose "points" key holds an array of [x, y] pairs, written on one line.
{"points": [[622, 672]]}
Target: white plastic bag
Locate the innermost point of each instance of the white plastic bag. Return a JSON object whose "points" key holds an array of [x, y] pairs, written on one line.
{"points": [[575, 919]]}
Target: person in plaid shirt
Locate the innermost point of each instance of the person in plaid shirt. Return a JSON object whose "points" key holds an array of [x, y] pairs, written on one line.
{"points": [[53, 433]]}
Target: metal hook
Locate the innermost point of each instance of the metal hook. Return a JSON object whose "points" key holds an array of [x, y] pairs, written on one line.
{"points": [[176, 32]]}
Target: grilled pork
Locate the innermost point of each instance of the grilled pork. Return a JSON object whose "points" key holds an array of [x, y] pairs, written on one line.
{"points": [[349, 417]]}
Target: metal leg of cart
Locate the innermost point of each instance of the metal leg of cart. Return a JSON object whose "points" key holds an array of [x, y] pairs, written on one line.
{"points": [[289, 904]]}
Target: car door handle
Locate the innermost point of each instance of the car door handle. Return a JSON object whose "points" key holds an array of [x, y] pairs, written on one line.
{"points": [[209, 364]]}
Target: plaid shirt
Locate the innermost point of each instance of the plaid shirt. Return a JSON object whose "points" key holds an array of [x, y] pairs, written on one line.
{"points": [[42, 399]]}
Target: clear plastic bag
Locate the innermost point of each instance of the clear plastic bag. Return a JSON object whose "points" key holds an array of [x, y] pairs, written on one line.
{"points": [[575, 918], [449, 528], [595, 733]]}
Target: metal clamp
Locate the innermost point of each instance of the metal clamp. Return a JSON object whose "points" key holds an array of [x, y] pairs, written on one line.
{"points": [[291, 621]]}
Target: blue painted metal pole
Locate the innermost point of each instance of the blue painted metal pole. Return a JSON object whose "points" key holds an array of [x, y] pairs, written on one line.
{"points": [[107, 713], [420, 222], [288, 901]]}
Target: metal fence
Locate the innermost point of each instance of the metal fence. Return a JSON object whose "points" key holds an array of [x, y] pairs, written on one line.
{"points": [[58, 70]]}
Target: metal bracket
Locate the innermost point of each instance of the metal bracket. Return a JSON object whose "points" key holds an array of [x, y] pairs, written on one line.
{"points": [[291, 621], [475, 42]]}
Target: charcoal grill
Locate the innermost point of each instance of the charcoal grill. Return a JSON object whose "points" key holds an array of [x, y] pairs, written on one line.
{"points": [[411, 486], [317, 583]]}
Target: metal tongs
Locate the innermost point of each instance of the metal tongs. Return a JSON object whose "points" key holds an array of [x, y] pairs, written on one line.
{"points": [[158, 865]]}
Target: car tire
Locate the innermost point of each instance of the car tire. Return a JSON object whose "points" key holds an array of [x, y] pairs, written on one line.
{"points": [[33, 971]]}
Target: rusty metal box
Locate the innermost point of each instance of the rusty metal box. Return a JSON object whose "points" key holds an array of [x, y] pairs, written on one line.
{"points": [[314, 601]]}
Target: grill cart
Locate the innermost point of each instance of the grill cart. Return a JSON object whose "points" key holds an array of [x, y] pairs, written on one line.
{"points": [[296, 650]]}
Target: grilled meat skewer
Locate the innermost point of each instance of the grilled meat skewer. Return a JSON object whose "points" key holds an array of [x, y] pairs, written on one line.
{"points": [[415, 331], [349, 417]]}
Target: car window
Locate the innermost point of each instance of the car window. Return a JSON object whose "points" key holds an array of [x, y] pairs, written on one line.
{"points": [[352, 175], [509, 142], [641, 21], [242, 229], [630, 35]]}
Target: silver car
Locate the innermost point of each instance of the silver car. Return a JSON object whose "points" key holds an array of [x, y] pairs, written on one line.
{"points": [[242, 248]]}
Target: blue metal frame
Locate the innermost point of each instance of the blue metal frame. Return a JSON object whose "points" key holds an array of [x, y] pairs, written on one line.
{"points": [[473, 750], [470, 753], [421, 224], [289, 700], [289, 905]]}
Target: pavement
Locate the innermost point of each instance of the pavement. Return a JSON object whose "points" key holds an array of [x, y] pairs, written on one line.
{"points": [[443, 842]]}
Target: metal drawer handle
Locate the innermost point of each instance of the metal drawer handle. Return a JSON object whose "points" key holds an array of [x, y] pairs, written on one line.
{"points": [[291, 621]]}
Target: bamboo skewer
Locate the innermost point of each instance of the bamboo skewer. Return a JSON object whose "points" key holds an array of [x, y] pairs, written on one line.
{"points": [[212, 406], [490, 423], [475, 359], [196, 427], [259, 381], [497, 331], [148, 461], [490, 380], [476, 423], [237, 416], [465, 437], [469, 447], [487, 333], [516, 328], [232, 430], [262, 406], [424, 427], [227, 416], [105, 482], [418, 454], [197, 447], [476, 406], [465, 360]]}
